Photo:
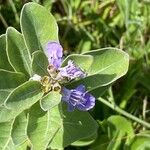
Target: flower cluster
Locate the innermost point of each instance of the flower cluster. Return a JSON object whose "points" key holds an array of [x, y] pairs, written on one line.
{"points": [[76, 98]]}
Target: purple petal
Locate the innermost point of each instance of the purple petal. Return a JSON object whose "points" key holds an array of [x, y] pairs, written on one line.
{"points": [[81, 88], [71, 71], [66, 94], [54, 49], [56, 62], [70, 108], [54, 52], [78, 98], [90, 103]]}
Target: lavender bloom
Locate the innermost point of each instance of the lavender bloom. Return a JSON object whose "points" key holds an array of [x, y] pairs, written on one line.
{"points": [[54, 53], [78, 98], [71, 71]]}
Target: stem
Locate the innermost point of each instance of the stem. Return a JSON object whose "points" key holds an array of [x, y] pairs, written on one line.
{"points": [[3, 21], [14, 10], [128, 115]]}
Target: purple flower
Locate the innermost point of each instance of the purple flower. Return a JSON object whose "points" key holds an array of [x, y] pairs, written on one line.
{"points": [[54, 53], [78, 98], [71, 71]]}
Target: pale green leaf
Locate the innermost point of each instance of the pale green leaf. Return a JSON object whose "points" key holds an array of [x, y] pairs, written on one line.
{"points": [[19, 131], [8, 81], [140, 142], [120, 123], [18, 54], [70, 126], [108, 65], [7, 114], [38, 26], [22, 146], [20, 99], [39, 128], [58, 127], [4, 63], [3, 95], [5, 133], [86, 141], [50, 100], [24, 96], [10, 145], [39, 63], [119, 128]]}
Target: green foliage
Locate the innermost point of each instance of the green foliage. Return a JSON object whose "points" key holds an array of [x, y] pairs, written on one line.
{"points": [[115, 133], [102, 68], [5, 130], [50, 100], [70, 127], [38, 26], [4, 63], [18, 54], [119, 128], [18, 132], [39, 67], [8, 81], [140, 142], [29, 118], [24, 96], [39, 117]]}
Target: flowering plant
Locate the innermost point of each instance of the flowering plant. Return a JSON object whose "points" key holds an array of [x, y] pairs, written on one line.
{"points": [[76, 97], [35, 83]]}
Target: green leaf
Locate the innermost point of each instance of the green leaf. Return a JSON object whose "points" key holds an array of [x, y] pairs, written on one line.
{"points": [[39, 63], [86, 141], [70, 126], [58, 127], [39, 128], [23, 146], [24, 96], [102, 139], [50, 100], [10, 145], [7, 114], [3, 95], [5, 133], [140, 142], [8, 81], [19, 131], [120, 123], [108, 65], [18, 54], [119, 128], [4, 63], [38, 26], [115, 143]]}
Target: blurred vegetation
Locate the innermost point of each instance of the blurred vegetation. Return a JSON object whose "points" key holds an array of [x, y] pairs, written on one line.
{"points": [[92, 24]]}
